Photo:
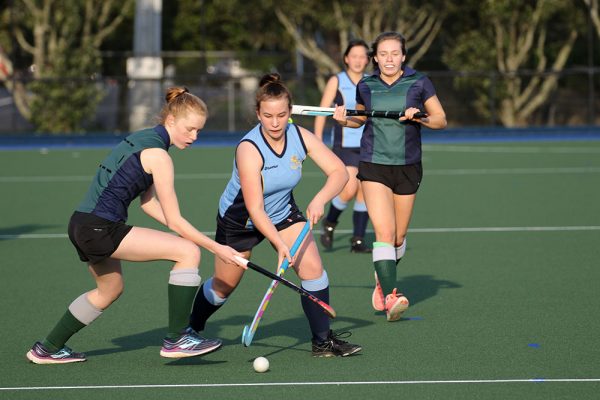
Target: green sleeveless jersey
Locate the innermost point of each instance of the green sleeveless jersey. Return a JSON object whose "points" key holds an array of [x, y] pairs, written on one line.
{"points": [[120, 177]]}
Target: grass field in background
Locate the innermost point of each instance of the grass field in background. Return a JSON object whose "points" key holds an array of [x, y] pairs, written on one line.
{"points": [[501, 271]]}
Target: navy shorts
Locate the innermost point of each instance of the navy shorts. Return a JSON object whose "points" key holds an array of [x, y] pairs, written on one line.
{"points": [[402, 179], [239, 237], [95, 238], [349, 155]]}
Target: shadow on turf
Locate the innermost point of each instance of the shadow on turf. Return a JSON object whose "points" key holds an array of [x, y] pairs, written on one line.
{"points": [[142, 340], [417, 288], [136, 341], [295, 328], [22, 230]]}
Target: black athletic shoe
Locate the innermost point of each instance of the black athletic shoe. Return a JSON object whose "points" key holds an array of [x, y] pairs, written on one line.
{"points": [[333, 346], [357, 245], [327, 234]]}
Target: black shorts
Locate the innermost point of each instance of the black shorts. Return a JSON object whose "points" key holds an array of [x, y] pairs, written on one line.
{"points": [[239, 237], [402, 179], [95, 238], [349, 155]]}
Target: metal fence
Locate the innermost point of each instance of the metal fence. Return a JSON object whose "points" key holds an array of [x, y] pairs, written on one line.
{"points": [[574, 102]]}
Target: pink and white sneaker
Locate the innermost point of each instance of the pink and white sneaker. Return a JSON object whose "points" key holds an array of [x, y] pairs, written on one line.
{"points": [[395, 305], [378, 299]]}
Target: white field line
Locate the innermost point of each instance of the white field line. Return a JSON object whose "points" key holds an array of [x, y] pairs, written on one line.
{"points": [[366, 383], [513, 171], [347, 231], [226, 175], [510, 149], [88, 178]]}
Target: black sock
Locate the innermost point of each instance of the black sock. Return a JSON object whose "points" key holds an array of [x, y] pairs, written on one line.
{"points": [[334, 214], [317, 319], [201, 311], [360, 219]]}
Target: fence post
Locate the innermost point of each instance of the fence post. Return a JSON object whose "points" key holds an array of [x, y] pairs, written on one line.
{"points": [[492, 94], [230, 105]]}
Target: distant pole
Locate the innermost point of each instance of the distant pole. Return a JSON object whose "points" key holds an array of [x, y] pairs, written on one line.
{"points": [[591, 92], [145, 68], [300, 70], [14, 60]]}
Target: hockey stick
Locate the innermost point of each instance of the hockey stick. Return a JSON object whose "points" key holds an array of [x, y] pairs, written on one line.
{"points": [[327, 111], [327, 309], [249, 331]]}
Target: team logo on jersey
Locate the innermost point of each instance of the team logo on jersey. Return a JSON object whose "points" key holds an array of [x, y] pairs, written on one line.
{"points": [[295, 162]]}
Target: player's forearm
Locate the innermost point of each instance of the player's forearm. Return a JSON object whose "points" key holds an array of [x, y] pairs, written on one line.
{"points": [[183, 228], [353, 122], [319, 126], [153, 209], [263, 224], [436, 121], [334, 185]]}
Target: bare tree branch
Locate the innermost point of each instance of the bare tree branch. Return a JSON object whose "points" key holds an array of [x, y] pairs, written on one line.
{"points": [[434, 26], [305, 45], [594, 14], [33, 9], [25, 45], [525, 42], [102, 34], [536, 80], [550, 81], [500, 37]]}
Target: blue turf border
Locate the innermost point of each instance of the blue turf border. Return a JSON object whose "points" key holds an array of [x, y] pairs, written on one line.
{"points": [[223, 139]]}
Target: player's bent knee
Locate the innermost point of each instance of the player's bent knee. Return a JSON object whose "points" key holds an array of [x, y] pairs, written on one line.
{"points": [[319, 283], [188, 253], [222, 288], [112, 293]]}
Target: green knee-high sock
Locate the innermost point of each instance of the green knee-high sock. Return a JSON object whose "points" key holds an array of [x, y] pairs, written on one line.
{"points": [[384, 260], [181, 299], [66, 327], [386, 272]]}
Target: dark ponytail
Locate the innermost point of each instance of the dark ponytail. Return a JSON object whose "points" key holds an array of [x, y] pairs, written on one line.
{"points": [[272, 87]]}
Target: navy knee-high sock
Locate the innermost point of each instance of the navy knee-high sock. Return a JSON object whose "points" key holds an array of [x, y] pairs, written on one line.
{"points": [[360, 219], [334, 213], [201, 311], [317, 319]]}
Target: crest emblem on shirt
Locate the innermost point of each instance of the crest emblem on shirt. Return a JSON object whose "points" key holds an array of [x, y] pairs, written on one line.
{"points": [[295, 162]]}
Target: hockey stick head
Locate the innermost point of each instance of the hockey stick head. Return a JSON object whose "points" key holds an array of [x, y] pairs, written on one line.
{"points": [[312, 110], [248, 332], [247, 336], [327, 309]]}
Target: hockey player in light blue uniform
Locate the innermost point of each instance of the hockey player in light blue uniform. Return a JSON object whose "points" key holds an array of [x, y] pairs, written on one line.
{"points": [[258, 203], [341, 89]]}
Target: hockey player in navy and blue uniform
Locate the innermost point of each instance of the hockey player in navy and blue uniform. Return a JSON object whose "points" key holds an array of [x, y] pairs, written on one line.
{"points": [[140, 166]]}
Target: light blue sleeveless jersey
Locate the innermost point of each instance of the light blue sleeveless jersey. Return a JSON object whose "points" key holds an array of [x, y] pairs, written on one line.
{"points": [[280, 174], [346, 94]]}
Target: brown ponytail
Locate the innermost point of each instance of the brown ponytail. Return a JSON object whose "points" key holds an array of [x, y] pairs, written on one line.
{"points": [[271, 87]]}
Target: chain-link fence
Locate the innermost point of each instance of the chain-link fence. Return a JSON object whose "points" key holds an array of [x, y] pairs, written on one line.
{"points": [[469, 99]]}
